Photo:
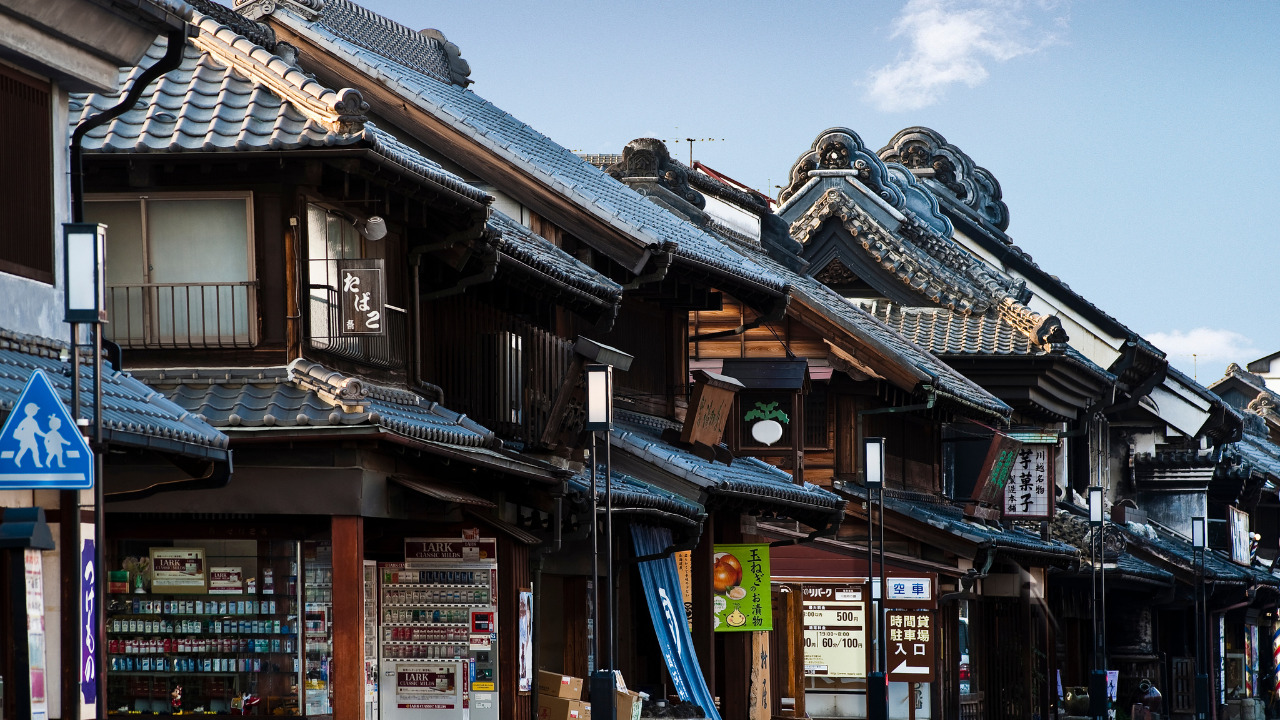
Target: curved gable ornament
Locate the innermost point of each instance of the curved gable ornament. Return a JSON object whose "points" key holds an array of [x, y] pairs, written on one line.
{"points": [[840, 149], [919, 202], [928, 154], [650, 158]]}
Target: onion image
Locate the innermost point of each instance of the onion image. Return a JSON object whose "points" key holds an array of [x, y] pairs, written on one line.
{"points": [[726, 572], [767, 430]]}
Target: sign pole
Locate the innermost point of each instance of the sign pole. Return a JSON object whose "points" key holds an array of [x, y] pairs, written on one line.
{"points": [[99, 532]]}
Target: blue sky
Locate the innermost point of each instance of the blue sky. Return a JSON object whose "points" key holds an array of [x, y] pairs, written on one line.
{"points": [[1132, 140]]}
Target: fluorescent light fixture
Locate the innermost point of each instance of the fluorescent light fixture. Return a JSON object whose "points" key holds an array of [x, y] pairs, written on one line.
{"points": [[599, 397], [1096, 501], [873, 460]]}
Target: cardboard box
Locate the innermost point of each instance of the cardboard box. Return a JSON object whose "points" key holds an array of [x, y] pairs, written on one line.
{"points": [[558, 708], [627, 705], [559, 686]]}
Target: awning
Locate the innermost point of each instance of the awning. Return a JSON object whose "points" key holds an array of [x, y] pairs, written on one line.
{"points": [[24, 528], [441, 492]]}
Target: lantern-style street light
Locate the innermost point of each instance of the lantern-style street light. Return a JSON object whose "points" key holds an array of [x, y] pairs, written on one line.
{"points": [[877, 680], [84, 258]]}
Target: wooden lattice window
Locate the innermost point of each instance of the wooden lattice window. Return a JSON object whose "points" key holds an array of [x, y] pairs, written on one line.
{"points": [[26, 176]]}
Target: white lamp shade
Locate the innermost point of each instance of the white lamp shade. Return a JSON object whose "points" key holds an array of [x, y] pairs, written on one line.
{"points": [[84, 245], [1096, 501], [1197, 533], [599, 397], [873, 457]]}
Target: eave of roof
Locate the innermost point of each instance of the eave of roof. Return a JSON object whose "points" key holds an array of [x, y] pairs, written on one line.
{"points": [[746, 481], [133, 414], [865, 328], [518, 147], [232, 95], [540, 255]]}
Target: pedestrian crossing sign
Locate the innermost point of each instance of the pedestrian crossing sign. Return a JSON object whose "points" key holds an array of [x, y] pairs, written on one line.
{"points": [[41, 448]]}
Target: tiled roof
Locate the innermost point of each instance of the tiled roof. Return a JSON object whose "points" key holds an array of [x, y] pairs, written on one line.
{"points": [[132, 413], [980, 203], [745, 479], [207, 105], [1254, 454], [389, 39], [533, 250], [1177, 551], [526, 149], [1134, 567], [942, 514], [945, 332], [307, 394], [861, 324], [631, 494]]}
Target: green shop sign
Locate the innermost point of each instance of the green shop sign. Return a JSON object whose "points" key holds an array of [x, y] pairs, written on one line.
{"points": [[740, 588]]}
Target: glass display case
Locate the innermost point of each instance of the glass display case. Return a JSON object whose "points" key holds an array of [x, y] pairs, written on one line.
{"points": [[203, 627], [317, 562]]}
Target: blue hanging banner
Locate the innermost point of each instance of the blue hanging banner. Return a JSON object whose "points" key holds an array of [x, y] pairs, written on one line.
{"points": [[666, 609]]}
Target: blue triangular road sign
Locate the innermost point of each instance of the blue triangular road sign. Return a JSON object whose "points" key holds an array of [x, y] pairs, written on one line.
{"points": [[40, 446]]}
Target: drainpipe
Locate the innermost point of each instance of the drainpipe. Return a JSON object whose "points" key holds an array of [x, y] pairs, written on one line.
{"points": [[177, 43]]}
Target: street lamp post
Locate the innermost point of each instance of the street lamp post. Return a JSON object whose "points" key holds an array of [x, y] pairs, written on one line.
{"points": [[84, 251], [600, 417], [877, 680], [1098, 699], [1199, 543]]}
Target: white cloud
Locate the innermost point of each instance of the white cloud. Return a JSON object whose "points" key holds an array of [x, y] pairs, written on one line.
{"points": [[953, 41], [1204, 353]]}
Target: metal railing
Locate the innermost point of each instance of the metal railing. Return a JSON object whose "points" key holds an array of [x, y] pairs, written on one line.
{"points": [[183, 315], [388, 350]]}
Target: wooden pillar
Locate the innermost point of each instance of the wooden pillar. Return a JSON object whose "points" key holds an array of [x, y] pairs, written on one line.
{"points": [[347, 674], [513, 577], [703, 623], [759, 695]]}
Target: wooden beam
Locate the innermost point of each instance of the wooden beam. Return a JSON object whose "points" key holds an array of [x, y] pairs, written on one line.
{"points": [[348, 616]]}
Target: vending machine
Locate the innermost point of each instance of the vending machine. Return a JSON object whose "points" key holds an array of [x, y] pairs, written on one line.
{"points": [[438, 654]]}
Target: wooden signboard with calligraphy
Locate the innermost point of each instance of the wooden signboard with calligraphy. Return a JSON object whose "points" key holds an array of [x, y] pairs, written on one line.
{"points": [[709, 408], [1029, 492], [988, 491], [362, 297]]}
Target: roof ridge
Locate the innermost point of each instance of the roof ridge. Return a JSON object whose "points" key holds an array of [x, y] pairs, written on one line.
{"points": [[342, 111]]}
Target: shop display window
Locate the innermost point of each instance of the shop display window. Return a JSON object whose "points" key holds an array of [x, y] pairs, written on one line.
{"points": [[317, 564], [203, 627]]}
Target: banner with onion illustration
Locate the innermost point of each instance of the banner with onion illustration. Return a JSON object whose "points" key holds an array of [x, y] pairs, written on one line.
{"points": [[740, 588]]}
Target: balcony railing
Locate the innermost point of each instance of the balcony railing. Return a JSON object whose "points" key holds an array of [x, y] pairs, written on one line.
{"points": [[183, 315], [388, 350]]}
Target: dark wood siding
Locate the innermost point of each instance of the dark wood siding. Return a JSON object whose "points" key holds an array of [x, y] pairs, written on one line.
{"points": [[26, 176]]}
